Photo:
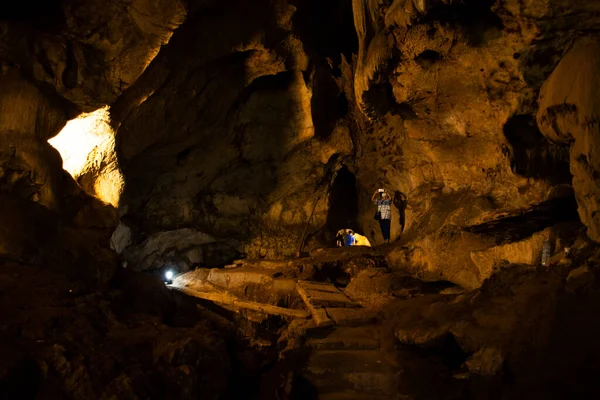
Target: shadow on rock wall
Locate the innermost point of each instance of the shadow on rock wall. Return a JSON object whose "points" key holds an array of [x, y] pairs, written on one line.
{"points": [[219, 134]]}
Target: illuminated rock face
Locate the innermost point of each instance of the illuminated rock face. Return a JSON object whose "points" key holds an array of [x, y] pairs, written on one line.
{"points": [[87, 147], [240, 136], [569, 113], [234, 136], [245, 128]]}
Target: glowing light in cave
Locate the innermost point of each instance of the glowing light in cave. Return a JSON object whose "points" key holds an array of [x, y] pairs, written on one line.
{"points": [[87, 147]]}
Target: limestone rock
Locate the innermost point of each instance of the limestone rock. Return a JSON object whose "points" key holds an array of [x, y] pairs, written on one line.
{"points": [[87, 147], [31, 169], [568, 113], [487, 361], [165, 249], [527, 251], [254, 169], [121, 238], [25, 110], [375, 286], [444, 255], [580, 279], [422, 336]]}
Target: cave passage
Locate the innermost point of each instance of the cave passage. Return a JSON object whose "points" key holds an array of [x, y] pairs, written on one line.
{"points": [[537, 218], [343, 202], [532, 155]]}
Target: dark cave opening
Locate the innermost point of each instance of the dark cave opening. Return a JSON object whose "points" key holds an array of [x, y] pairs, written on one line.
{"points": [[379, 100], [532, 155], [327, 27], [559, 210], [46, 16], [343, 203], [427, 58], [476, 17], [328, 103]]}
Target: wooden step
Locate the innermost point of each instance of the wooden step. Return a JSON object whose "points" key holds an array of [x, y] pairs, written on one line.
{"points": [[344, 338], [227, 299], [324, 295], [351, 316], [359, 371]]}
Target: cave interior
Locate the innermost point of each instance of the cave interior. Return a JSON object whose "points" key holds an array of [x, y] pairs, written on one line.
{"points": [[175, 175]]}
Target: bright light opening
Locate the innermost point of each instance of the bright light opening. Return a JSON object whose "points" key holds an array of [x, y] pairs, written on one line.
{"points": [[169, 275], [87, 147]]}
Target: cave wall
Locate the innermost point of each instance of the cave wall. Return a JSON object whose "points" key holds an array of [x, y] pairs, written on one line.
{"points": [[66, 330], [237, 136], [225, 143], [449, 91], [568, 115], [56, 60], [232, 120]]}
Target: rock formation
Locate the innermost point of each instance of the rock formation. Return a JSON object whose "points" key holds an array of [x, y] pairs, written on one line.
{"points": [[214, 131], [567, 114]]}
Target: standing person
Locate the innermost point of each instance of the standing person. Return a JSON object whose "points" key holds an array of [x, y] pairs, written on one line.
{"points": [[384, 212], [340, 238], [350, 240]]}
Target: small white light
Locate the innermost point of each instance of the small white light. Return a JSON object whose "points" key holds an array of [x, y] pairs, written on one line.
{"points": [[169, 275]]}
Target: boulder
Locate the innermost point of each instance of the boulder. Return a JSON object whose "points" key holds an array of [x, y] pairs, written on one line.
{"points": [[487, 361], [580, 279], [371, 287], [31, 168], [568, 113], [527, 251], [171, 248], [25, 110], [121, 238]]}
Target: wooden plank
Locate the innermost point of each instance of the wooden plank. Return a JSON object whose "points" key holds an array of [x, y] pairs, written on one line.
{"points": [[330, 298], [321, 318], [351, 317], [317, 286], [304, 295], [319, 314], [225, 298], [325, 299]]}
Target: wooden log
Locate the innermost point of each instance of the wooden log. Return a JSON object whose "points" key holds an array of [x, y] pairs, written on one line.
{"points": [[318, 313], [319, 286], [226, 298], [325, 295]]}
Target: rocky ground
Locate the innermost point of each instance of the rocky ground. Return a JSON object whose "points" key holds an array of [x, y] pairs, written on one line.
{"points": [[524, 333]]}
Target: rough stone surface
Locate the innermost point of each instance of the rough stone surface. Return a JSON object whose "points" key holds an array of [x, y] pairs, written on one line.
{"points": [[580, 278], [69, 341], [177, 249], [526, 251], [87, 147], [569, 113], [486, 361], [260, 129], [521, 322]]}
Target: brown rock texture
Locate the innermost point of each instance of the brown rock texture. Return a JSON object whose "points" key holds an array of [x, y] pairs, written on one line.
{"points": [[225, 140], [568, 113], [258, 130]]}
